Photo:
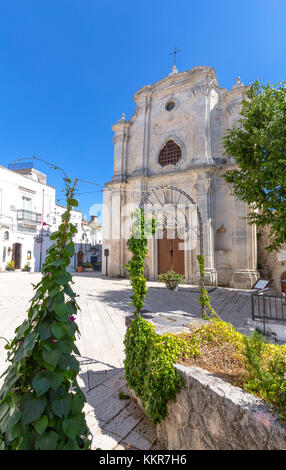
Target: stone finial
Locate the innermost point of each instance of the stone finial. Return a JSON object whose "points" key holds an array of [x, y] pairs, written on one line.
{"points": [[174, 70], [238, 83], [123, 118]]}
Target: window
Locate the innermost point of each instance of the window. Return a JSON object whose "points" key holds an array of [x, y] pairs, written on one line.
{"points": [[6, 235], [4, 254], [170, 105], [170, 154], [27, 203]]}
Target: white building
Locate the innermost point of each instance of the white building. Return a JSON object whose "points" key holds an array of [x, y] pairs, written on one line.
{"points": [[28, 216], [169, 156]]}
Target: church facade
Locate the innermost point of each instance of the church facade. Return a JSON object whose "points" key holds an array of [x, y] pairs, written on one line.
{"points": [[170, 154]]}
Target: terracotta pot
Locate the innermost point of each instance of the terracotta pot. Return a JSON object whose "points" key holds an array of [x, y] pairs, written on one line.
{"points": [[79, 269]]}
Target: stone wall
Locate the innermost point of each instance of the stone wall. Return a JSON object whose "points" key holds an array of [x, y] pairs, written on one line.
{"points": [[211, 414], [271, 265]]}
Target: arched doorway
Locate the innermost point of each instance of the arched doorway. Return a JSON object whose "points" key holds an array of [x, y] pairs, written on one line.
{"points": [[283, 284], [17, 255], [79, 258], [179, 219]]}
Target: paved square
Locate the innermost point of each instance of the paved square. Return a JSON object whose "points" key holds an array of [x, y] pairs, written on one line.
{"points": [[104, 303]]}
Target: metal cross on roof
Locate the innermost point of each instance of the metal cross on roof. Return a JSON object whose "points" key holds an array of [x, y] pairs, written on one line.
{"points": [[175, 53]]}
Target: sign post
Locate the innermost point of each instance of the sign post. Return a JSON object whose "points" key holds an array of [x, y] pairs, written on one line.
{"points": [[106, 254]]}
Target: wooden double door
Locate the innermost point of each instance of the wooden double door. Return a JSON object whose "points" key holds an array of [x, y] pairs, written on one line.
{"points": [[170, 257]]}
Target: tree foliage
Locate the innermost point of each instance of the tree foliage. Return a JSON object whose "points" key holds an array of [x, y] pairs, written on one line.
{"points": [[258, 144], [40, 401]]}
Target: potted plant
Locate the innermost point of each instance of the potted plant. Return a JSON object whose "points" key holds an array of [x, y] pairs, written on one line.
{"points": [[10, 266], [172, 279], [79, 268], [27, 267], [88, 267]]}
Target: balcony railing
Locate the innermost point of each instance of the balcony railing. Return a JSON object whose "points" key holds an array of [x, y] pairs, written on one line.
{"points": [[28, 216]]}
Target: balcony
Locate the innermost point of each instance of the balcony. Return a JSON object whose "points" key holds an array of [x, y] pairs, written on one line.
{"points": [[29, 217]]}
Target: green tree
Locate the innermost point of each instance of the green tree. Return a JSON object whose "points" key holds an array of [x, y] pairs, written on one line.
{"points": [[258, 144], [41, 404]]}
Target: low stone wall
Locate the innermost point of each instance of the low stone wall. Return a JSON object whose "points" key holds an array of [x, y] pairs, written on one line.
{"points": [[211, 414]]}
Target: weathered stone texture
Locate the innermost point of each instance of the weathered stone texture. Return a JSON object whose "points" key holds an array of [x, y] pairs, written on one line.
{"points": [[271, 265], [210, 414], [201, 114]]}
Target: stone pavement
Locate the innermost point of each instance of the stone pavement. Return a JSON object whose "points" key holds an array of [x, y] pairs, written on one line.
{"points": [[115, 423]]}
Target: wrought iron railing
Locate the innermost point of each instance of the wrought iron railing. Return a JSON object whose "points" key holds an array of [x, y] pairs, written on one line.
{"points": [[28, 216], [268, 307]]}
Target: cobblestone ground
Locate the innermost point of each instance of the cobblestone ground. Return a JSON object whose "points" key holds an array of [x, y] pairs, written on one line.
{"points": [[115, 423]]}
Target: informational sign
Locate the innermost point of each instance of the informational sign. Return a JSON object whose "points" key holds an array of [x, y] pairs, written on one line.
{"points": [[261, 284]]}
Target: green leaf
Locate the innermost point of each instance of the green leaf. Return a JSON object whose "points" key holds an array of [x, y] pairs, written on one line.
{"points": [[33, 409], [10, 419], [14, 432], [41, 383], [77, 404], [70, 249], [44, 330], [59, 330], [61, 405], [73, 202], [30, 340], [57, 378], [22, 329], [41, 424], [60, 308], [55, 235], [54, 291], [57, 262], [27, 442], [71, 426], [67, 361], [68, 290], [51, 357], [47, 442], [71, 308], [63, 279], [61, 311], [3, 409]]}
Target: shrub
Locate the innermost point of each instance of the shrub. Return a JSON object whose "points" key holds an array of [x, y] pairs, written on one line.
{"points": [[172, 279], [149, 365], [150, 359], [266, 365], [10, 265]]}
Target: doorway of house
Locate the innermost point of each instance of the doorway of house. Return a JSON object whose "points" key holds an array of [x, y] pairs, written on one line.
{"points": [[80, 258], [17, 255]]}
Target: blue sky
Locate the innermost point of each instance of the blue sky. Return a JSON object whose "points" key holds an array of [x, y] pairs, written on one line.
{"points": [[69, 69]]}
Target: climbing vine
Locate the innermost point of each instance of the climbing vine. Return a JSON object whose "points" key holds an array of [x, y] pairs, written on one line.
{"points": [[204, 299], [137, 244], [41, 404], [149, 366]]}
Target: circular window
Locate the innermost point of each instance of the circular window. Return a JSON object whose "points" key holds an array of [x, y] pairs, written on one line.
{"points": [[170, 105]]}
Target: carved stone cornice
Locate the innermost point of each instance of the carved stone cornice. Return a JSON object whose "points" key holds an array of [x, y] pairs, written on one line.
{"points": [[120, 138]]}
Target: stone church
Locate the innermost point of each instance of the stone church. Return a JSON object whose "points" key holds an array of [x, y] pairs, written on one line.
{"points": [[170, 153]]}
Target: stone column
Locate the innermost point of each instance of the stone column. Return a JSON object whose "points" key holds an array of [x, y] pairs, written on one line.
{"points": [[245, 249], [120, 139], [204, 190]]}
